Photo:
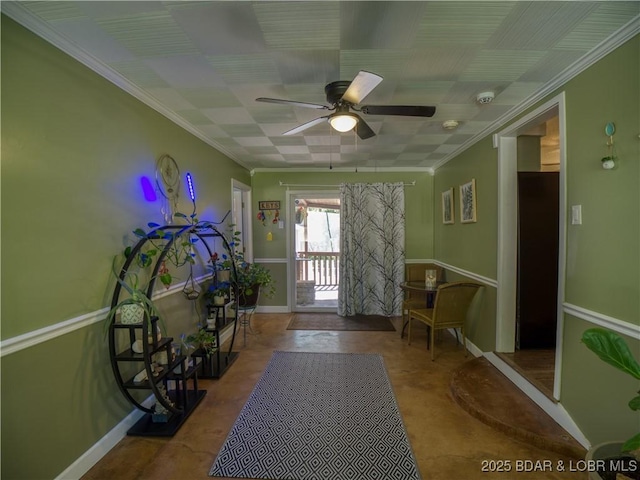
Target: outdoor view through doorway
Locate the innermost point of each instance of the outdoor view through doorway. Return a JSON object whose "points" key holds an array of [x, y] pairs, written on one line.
{"points": [[317, 253]]}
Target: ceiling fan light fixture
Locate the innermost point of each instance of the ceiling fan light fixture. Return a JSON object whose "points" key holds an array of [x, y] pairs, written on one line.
{"points": [[343, 122]]}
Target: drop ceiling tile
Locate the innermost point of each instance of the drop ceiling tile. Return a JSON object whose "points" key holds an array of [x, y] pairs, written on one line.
{"points": [[491, 112], [299, 25], [552, 64], [437, 139], [210, 97], [516, 93], [420, 148], [606, 19], [389, 64], [297, 159], [365, 25], [213, 131], [247, 130], [171, 98], [53, 11], [148, 34], [262, 150], [113, 9], [185, 71], [458, 139], [456, 111], [308, 66], [221, 28], [472, 127], [538, 25], [501, 65], [237, 69], [228, 116], [455, 23], [94, 40], [194, 116], [440, 63], [272, 114], [288, 141], [427, 92], [293, 149], [255, 142], [269, 159]]}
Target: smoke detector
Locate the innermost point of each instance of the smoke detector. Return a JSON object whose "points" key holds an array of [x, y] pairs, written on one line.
{"points": [[485, 97], [450, 124]]}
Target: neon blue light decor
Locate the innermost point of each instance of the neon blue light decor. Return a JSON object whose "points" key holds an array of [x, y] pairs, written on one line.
{"points": [[192, 193], [148, 190]]}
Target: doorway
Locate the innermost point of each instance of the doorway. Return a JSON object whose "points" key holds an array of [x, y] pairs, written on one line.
{"points": [[531, 231], [315, 251]]}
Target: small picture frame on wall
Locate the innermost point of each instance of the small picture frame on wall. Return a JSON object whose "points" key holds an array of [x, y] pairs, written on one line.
{"points": [[468, 202], [447, 207]]}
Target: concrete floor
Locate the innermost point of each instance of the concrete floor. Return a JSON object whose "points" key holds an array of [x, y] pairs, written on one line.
{"points": [[448, 442]]}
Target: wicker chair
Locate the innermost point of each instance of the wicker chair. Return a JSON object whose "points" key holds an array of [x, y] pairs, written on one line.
{"points": [[450, 310], [414, 272]]}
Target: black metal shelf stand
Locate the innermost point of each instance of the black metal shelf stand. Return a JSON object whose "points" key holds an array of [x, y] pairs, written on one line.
{"points": [[182, 400]]}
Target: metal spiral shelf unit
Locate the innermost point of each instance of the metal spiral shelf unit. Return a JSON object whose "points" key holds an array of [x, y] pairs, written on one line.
{"points": [[182, 401]]}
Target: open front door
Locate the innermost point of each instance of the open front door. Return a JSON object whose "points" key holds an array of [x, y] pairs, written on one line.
{"points": [[315, 251]]}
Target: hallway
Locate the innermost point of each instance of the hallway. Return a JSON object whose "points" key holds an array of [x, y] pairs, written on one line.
{"points": [[448, 443]]}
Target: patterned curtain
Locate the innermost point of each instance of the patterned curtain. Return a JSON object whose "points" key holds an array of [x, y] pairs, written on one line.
{"points": [[372, 249]]}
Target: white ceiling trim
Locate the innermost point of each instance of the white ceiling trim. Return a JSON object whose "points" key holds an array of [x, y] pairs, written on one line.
{"points": [[31, 22], [428, 170], [625, 33]]}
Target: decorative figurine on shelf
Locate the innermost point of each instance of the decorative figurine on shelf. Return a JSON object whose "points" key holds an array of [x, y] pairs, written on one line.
{"points": [[160, 413]]}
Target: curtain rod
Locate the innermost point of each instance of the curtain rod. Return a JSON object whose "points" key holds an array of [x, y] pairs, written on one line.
{"points": [[282, 184]]}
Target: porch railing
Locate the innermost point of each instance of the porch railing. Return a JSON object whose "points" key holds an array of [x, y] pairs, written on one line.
{"points": [[323, 267]]}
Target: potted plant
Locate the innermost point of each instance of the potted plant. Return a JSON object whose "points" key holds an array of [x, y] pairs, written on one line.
{"points": [[613, 349], [251, 279], [137, 306], [206, 341], [218, 293]]}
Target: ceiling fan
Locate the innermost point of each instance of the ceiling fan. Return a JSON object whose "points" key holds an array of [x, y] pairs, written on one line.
{"points": [[344, 96]]}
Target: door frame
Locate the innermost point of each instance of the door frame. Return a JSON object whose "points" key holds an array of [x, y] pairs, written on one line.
{"points": [[506, 143], [290, 233], [242, 219]]}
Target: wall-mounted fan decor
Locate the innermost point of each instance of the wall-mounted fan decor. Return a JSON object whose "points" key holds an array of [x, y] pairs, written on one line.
{"points": [[345, 98]]}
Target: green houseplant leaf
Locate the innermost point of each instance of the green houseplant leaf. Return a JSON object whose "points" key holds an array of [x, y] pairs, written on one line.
{"points": [[632, 444], [611, 348]]}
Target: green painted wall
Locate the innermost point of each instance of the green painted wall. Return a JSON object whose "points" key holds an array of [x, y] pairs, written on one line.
{"points": [[74, 147], [266, 186], [603, 257]]}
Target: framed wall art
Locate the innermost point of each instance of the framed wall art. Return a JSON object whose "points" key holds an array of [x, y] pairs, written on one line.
{"points": [[447, 207], [468, 202]]}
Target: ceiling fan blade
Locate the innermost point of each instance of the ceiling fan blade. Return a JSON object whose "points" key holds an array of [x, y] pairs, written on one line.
{"points": [[363, 129], [406, 110], [293, 103], [361, 86], [304, 126]]}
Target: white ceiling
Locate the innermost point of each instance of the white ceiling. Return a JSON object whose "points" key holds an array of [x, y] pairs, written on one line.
{"points": [[204, 63]]}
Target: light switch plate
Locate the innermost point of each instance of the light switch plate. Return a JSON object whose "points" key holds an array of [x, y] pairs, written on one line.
{"points": [[576, 214]]}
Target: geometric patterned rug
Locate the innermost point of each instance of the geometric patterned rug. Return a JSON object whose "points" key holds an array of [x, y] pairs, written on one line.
{"points": [[319, 416], [332, 321]]}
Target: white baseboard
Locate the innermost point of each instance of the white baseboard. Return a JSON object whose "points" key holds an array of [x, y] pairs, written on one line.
{"points": [[273, 309], [92, 456]]}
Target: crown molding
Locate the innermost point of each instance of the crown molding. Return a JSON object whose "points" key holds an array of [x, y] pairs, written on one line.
{"points": [[428, 170], [608, 45], [24, 17]]}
